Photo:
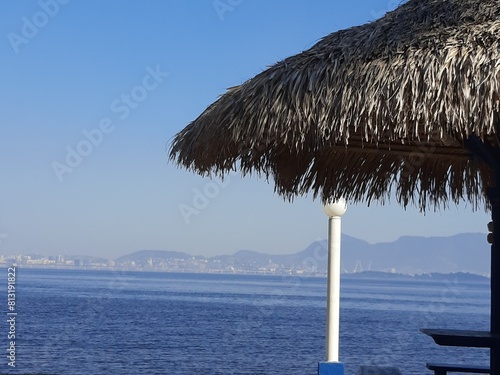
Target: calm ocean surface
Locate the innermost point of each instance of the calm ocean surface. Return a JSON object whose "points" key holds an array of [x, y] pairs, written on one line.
{"points": [[99, 322]]}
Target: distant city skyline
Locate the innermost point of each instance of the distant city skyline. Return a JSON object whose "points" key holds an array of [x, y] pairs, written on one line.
{"points": [[467, 253], [92, 94]]}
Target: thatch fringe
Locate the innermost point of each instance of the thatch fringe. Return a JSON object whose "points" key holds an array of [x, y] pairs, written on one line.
{"points": [[347, 116]]}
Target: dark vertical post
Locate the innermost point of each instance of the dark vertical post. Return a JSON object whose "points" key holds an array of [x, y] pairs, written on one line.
{"points": [[494, 196], [491, 156]]}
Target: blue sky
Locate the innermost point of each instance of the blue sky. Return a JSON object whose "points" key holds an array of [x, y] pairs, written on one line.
{"points": [[91, 93]]}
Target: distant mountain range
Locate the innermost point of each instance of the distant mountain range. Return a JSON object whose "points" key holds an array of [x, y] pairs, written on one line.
{"points": [[468, 252]]}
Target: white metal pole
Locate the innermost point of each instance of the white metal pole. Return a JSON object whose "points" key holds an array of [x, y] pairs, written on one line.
{"points": [[334, 211], [333, 290]]}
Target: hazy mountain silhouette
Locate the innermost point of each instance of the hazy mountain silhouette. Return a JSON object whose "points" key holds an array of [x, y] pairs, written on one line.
{"points": [[468, 252]]}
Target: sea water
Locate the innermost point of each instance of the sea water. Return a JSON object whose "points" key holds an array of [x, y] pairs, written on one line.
{"points": [[111, 322]]}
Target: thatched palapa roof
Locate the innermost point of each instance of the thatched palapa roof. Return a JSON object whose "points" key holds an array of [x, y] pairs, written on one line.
{"points": [[382, 106]]}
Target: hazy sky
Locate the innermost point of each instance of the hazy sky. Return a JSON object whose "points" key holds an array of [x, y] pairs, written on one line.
{"points": [[91, 93]]}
